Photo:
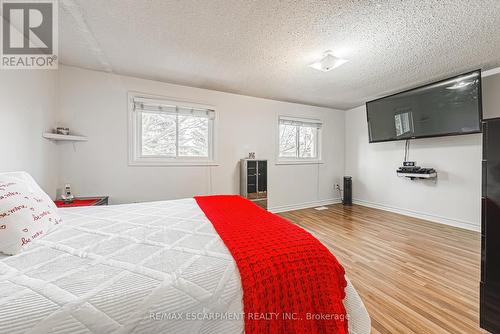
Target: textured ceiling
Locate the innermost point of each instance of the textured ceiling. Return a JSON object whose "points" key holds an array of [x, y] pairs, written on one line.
{"points": [[262, 48]]}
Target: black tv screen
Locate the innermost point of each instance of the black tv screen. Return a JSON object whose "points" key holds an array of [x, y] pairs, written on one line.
{"points": [[444, 108]]}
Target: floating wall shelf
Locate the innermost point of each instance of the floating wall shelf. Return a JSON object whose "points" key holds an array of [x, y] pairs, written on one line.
{"points": [[417, 175], [58, 137]]}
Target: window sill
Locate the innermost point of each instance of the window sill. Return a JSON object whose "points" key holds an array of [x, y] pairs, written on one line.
{"points": [[180, 163], [299, 162]]}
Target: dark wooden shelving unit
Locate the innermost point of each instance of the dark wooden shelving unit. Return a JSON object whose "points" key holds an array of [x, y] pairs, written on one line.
{"points": [[253, 182], [490, 227]]}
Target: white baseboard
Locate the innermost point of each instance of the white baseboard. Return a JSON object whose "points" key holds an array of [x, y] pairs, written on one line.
{"points": [[305, 205], [421, 215]]}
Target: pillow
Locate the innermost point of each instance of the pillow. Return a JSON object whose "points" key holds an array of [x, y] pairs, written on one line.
{"points": [[26, 212]]}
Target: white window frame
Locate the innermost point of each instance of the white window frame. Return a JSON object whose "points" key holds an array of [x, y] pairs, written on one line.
{"points": [[135, 136], [298, 160]]}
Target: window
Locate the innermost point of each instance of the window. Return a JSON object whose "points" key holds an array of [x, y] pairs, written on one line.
{"points": [[169, 132], [299, 139]]}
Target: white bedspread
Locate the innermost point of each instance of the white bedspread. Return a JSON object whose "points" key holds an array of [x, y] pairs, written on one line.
{"points": [[156, 267]]}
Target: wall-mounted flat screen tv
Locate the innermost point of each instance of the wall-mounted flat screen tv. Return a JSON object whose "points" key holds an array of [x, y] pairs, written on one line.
{"points": [[444, 108]]}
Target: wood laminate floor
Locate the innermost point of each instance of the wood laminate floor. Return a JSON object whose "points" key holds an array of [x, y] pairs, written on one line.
{"points": [[414, 276]]}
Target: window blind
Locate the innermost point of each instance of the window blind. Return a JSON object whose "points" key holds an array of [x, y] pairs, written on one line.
{"points": [[308, 123], [171, 107]]}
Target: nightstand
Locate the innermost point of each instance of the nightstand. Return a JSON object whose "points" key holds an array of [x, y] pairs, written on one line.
{"points": [[83, 201]]}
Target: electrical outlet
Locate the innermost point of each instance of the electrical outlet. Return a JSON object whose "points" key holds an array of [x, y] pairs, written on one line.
{"points": [[337, 186]]}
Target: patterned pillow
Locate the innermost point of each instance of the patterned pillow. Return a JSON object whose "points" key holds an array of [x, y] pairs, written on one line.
{"points": [[26, 212]]}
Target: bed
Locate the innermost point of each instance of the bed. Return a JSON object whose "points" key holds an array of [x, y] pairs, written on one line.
{"points": [[157, 267]]}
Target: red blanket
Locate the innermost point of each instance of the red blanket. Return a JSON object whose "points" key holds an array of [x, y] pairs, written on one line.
{"points": [[291, 282]]}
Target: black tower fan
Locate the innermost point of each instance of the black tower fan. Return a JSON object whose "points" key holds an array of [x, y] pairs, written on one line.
{"points": [[347, 200]]}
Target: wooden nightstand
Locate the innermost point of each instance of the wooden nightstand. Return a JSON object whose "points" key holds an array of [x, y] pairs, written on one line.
{"points": [[83, 201]]}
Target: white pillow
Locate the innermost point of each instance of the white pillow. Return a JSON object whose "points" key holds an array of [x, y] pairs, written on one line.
{"points": [[26, 212]]}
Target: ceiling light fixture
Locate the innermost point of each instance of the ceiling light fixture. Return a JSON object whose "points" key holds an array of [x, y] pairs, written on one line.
{"points": [[328, 62]]}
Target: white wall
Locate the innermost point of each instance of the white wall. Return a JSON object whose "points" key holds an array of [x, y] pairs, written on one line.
{"points": [[95, 104], [27, 109], [454, 199], [491, 96]]}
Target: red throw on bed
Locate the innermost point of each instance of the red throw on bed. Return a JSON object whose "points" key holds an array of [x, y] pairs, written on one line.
{"points": [[291, 282]]}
